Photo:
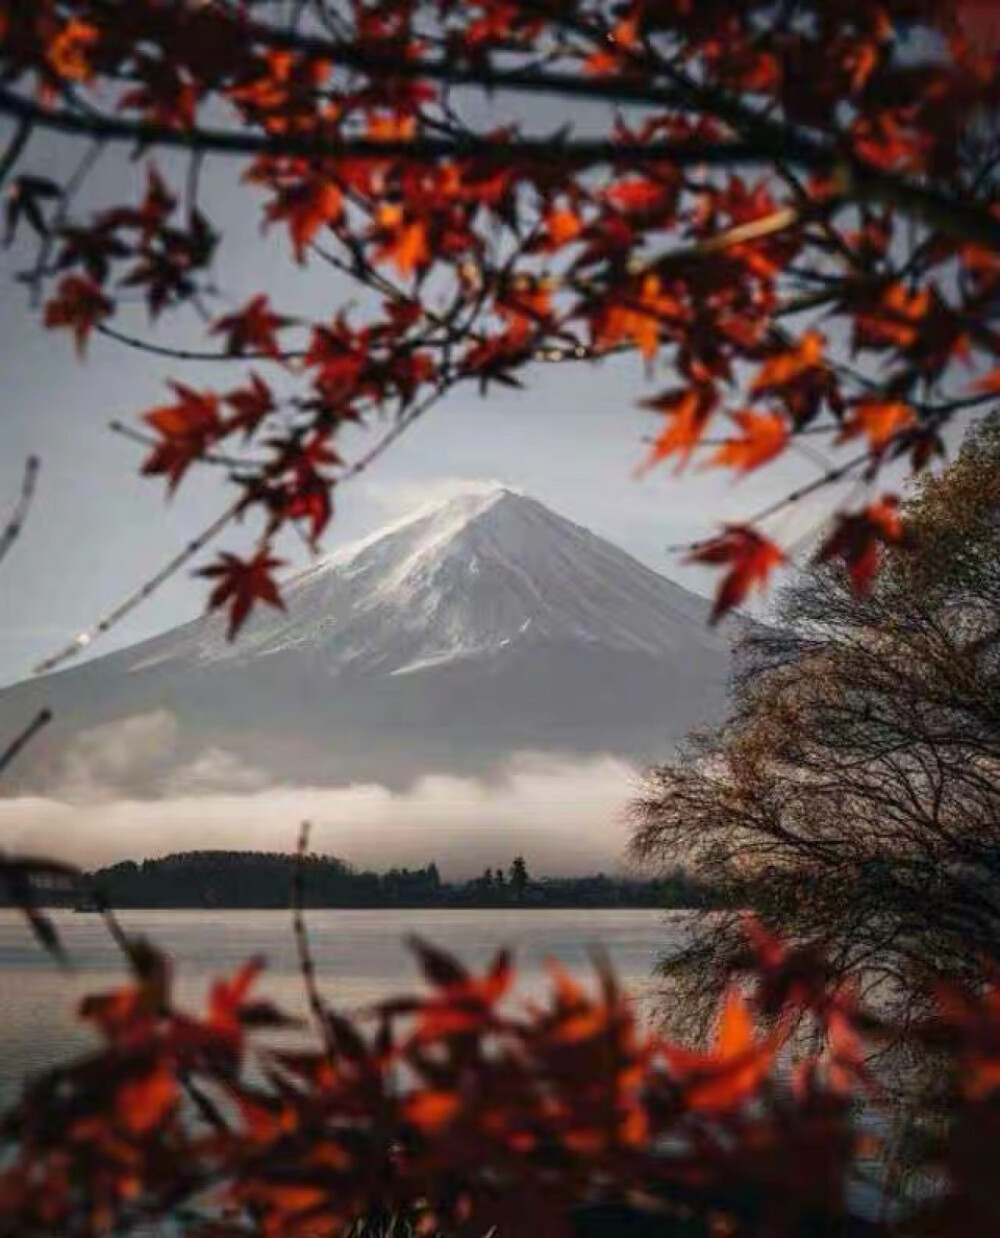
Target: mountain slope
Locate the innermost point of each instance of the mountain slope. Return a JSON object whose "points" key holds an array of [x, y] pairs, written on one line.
{"points": [[480, 627]]}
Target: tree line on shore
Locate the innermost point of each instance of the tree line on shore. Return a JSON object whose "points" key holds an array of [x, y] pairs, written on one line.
{"points": [[255, 879]]}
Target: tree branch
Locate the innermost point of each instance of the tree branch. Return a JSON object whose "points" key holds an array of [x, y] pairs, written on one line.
{"points": [[15, 148], [15, 524], [114, 617], [957, 217]]}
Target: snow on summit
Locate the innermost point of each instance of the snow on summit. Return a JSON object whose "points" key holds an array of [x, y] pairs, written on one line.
{"points": [[468, 577]]}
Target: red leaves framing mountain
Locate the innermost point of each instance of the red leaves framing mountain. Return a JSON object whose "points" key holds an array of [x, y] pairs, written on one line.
{"points": [[789, 217]]}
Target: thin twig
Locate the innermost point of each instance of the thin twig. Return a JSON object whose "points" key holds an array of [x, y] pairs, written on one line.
{"points": [[397, 430], [307, 964], [208, 457], [16, 746], [15, 148], [16, 523], [193, 354], [71, 189], [555, 353], [114, 617], [792, 497]]}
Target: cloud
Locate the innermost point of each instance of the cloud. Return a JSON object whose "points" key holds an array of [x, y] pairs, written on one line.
{"points": [[214, 770], [565, 816], [403, 497], [139, 756], [102, 760]]}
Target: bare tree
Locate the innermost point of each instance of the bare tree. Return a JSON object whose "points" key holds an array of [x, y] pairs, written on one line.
{"points": [[853, 796]]}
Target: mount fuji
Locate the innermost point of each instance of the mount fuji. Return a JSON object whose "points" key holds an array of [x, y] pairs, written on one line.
{"points": [[480, 628]]}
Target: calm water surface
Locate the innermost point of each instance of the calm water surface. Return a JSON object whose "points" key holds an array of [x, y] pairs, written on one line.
{"points": [[361, 957]]}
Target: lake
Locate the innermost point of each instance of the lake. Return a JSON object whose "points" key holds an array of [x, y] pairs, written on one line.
{"points": [[361, 957]]}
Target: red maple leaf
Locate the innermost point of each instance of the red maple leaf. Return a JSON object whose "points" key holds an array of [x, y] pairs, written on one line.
{"points": [[979, 21], [308, 493], [186, 428], [242, 583], [80, 305], [750, 557], [252, 328], [157, 206], [227, 997], [857, 537], [306, 206], [251, 405]]}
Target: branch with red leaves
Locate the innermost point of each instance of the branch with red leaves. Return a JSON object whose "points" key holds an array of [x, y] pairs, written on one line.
{"points": [[775, 177], [458, 1110]]}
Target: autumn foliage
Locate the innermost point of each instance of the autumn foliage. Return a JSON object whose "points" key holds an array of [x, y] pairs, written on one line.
{"points": [[787, 215], [463, 1111], [788, 210]]}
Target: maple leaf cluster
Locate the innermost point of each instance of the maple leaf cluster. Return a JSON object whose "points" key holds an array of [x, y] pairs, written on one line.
{"points": [[773, 178], [464, 1112]]}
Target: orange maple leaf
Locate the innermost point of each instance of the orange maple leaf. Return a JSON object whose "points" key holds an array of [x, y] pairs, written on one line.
{"points": [[990, 385], [688, 411], [787, 366], [525, 309], [405, 240], [392, 128], [879, 421], [142, 1103], [68, 54], [562, 225], [432, 1110], [624, 36], [764, 437], [731, 1072], [639, 318], [894, 321], [228, 996]]}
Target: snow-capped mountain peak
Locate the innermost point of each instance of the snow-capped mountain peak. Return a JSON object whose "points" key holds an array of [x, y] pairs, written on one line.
{"points": [[465, 578], [471, 630]]}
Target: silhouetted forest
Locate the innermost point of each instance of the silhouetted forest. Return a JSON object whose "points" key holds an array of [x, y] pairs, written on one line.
{"points": [[266, 880]]}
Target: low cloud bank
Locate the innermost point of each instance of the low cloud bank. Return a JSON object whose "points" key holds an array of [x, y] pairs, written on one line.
{"points": [[138, 757], [565, 816]]}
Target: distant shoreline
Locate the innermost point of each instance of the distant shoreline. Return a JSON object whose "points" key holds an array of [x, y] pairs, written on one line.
{"points": [[269, 881]]}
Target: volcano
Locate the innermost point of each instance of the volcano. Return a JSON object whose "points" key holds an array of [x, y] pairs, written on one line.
{"points": [[470, 631]]}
